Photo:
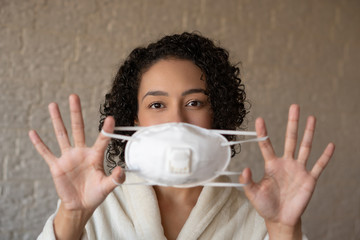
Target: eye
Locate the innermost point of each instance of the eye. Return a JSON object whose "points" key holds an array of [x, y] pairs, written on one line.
{"points": [[194, 103], [156, 105]]}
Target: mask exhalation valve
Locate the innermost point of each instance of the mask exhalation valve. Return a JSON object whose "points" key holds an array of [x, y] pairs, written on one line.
{"points": [[179, 160]]}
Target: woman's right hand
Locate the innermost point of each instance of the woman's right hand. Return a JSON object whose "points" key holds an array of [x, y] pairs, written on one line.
{"points": [[78, 174]]}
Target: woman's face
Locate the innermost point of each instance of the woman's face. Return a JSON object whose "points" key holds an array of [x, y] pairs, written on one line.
{"points": [[173, 90]]}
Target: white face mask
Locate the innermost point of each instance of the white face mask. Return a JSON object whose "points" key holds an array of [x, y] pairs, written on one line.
{"points": [[179, 154]]}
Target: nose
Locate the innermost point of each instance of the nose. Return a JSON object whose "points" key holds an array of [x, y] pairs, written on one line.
{"points": [[177, 114]]}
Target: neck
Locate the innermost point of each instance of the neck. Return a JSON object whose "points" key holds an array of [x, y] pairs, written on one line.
{"points": [[175, 205], [187, 196]]}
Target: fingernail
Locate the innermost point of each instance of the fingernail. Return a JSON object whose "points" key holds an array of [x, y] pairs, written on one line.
{"points": [[115, 182]]}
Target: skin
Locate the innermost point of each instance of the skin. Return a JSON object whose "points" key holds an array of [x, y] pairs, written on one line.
{"points": [[171, 91]]}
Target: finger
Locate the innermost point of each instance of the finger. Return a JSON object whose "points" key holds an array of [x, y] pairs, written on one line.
{"points": [[266, 147], [59, 128], [77, 122], [246, 177], [41, 148], [250, 185], [102, 141], [291, 131], [116, 178], [323, 161], [306, 142]]}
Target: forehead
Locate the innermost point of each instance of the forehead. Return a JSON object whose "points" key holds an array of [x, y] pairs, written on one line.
{"points": [[171, 75]]}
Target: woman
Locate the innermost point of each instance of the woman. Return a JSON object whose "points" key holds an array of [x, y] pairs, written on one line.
{"points": [[180, 78]]}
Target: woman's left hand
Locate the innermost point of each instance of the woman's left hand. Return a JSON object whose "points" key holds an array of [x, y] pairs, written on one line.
{"points": [[287, 186]]}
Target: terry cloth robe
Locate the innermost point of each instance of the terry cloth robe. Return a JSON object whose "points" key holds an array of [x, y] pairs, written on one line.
{"points": [[132, 212]]}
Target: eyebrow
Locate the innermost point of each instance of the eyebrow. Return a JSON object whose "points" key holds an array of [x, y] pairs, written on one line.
{"points": [[194, 90], [162, 93], [155, 93]]}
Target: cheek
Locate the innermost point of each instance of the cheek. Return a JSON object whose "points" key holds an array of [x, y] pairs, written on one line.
{"points": [[148, 118], [142, 118], [203, 119]]}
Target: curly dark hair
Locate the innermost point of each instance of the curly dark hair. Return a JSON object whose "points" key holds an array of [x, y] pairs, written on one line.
{"points": [[225, 91]]}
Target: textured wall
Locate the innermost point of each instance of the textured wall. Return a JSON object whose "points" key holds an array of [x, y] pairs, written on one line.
{"points": [[304, 52]]}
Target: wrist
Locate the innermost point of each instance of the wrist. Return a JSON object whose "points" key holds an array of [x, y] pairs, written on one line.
{"points": [[70, 224], [282, 231]]}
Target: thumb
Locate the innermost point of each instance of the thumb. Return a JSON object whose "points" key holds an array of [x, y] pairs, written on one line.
{"points": [[250, 185], [116, 178]]}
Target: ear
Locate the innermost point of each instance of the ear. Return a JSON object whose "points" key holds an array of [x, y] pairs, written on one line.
{"points": [[136, 122]]}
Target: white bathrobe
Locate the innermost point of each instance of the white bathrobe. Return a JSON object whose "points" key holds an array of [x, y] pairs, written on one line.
{"points": [[132, 212]]}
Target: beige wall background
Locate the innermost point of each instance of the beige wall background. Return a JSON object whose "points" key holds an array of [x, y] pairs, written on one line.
{"points": [[304, 52]]}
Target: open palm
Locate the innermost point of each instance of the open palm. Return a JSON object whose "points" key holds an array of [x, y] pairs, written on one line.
{"points": [[78, 173], [287, 186]]}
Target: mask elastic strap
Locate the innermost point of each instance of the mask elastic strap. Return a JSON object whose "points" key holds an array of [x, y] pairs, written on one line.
{"points": [[244, 141], [210, 184], [117, 136], [234, 132], [128, 128], [139, 183], [228, 173], [242, 133], [132, 184], [223, 184]]}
